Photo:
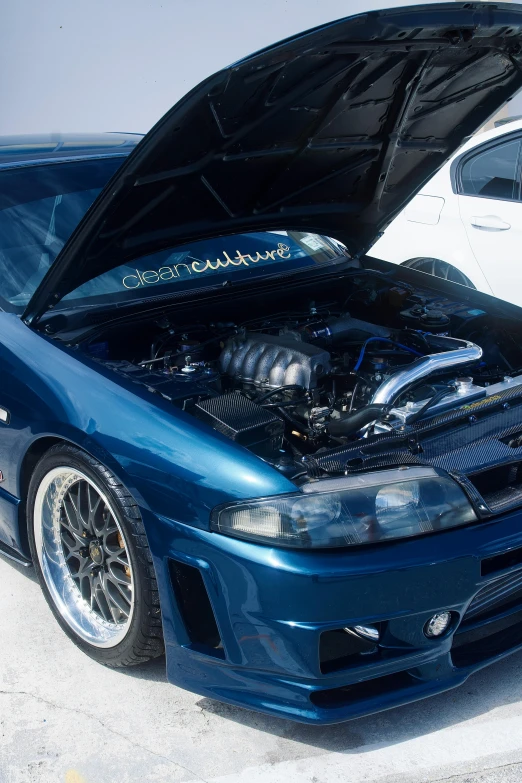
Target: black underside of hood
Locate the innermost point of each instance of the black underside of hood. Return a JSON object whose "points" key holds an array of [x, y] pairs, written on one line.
{"points": [[331, 131]]}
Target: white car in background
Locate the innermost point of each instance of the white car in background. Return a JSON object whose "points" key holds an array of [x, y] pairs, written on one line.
{"points": [[465, 225]]}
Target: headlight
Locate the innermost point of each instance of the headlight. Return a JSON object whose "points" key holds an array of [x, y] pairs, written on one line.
{"points": [[362, 509]]}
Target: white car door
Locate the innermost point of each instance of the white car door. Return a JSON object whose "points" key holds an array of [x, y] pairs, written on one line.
{"points": [[488, 183]]}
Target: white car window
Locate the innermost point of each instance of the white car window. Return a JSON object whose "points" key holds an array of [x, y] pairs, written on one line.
{"points": [[493, 173]]}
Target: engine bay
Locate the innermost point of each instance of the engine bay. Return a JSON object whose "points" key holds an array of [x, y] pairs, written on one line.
{"points": [[376, 358]]}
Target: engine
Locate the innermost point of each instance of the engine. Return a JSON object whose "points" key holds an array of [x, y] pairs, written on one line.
{"points": [[336, 393], [297, 383]]}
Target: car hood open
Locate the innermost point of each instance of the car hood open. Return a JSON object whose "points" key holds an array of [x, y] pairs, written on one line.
{"points": [[331, 131]]}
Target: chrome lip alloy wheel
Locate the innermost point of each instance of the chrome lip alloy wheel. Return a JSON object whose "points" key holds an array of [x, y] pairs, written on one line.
{"points": [[83, 556]]}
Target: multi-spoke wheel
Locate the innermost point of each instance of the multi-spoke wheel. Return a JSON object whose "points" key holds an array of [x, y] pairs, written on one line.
{"points": [[438, 268], [87, 541]]}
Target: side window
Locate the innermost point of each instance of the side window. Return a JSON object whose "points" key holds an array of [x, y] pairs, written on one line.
{"points": [[492, 173]]}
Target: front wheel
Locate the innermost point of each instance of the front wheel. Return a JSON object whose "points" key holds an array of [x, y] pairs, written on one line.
{"points": [[92, 559], [438, 268]]}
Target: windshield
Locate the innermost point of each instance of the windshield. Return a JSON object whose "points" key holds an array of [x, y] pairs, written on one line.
{"points": [[207, 262], [40, 206]]}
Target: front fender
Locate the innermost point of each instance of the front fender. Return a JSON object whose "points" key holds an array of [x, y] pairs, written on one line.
{"points": [[174, 465]]}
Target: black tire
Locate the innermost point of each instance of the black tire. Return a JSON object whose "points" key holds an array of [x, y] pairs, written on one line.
{"points": [[143, 636], [439, 268]]}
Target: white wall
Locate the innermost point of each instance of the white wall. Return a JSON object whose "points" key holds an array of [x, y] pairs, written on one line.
{"points": [[97, 65]]}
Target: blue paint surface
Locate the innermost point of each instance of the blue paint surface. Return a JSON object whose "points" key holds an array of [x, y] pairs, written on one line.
{"points": [[271, 604]]}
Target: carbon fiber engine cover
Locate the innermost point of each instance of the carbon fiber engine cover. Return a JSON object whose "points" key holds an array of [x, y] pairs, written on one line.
{"points": [[243, 421], [473, 438]]}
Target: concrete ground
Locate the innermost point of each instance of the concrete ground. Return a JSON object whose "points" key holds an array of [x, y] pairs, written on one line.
{"points": [[65, 719]]}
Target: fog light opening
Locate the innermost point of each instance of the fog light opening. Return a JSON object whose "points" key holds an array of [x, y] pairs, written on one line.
{"points": [[364, 632], [437, 625]]}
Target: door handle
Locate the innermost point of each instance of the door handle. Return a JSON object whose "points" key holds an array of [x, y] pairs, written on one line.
{"points": [[489, 223]]}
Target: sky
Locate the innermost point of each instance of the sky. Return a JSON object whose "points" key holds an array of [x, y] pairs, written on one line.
{"points": [[119, 65]]}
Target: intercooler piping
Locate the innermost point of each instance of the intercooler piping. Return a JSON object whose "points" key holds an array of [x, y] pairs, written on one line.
{"points": [[463, 353]]}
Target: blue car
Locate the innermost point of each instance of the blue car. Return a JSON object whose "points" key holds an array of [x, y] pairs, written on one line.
{"points": [[227, 434]]}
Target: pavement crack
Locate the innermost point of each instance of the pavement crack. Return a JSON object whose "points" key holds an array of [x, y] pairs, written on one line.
{"points": [[132, 740], [463, 775]]}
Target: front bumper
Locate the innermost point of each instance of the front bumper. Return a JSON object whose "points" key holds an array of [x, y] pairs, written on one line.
{"points": [[272, 605]]}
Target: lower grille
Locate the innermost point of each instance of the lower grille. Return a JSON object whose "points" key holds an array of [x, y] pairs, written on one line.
{"points": [[338, 650], [486, 641], [502, 594], [492, 624]]}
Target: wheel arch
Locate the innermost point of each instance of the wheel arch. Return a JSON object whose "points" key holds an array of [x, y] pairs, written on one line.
{"points": [[417, 258], [36, 449], [30, 459], [409, 264]]}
